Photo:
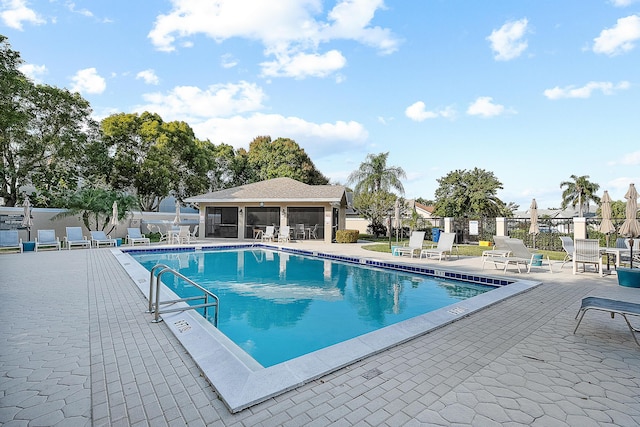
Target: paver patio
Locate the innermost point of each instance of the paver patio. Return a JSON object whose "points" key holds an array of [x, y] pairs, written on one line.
{"points": [[76, 348]]}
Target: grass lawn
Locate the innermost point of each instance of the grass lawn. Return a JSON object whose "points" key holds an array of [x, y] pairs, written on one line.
{"points": [[382, 245]]}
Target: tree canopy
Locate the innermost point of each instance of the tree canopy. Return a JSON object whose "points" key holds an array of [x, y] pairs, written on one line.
{"points": [[374, 175], [579, 192], [469, 193]]}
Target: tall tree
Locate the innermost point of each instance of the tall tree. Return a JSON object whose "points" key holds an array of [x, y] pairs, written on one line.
{"points": [[43, 133], [469, 193], [374, 175], [283, 157], [579, 192]]}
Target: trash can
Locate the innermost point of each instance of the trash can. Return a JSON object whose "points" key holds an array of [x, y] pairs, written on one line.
{"points": [[28, 246], [435, 234]]}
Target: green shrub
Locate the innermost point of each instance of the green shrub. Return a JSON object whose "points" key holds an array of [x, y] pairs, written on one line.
{"points": [[347, 236]]}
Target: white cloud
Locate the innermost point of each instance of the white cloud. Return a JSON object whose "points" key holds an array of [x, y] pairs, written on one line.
{"points": [[620, 38], [418, 112], [585, 91], [33, 71], [507, 42], [84, 12], [228, 61], [630, 159], [15, 12], [88, 81], [303, 65], [192, 103], [318, 139], [484, 107], [622, 3], [149, 76], [290, 30]]}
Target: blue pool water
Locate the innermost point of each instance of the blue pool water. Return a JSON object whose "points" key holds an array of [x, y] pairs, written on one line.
{"points": [[277, 306]]}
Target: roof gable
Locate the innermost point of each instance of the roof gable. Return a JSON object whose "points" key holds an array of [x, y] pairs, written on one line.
{"points": [[274, 189]]}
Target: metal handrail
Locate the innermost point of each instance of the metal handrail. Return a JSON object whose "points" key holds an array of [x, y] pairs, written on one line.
{"points": [[155, 308]]}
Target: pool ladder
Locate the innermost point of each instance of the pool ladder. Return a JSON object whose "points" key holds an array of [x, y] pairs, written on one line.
{"points": [[209, 298]]}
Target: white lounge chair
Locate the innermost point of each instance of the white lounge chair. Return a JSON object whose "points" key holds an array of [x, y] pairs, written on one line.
{"points": [[99, 238], [184, 235], [520, 256], [587, 251], [500, 250], [444, 247], [569, 248], [414, 246], [75, 237], [134, 235], [284, 235], [10, 239], [47, 239], [269, 233]]}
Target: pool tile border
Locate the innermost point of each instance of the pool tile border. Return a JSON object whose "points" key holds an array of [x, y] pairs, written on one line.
{"points": [[241, 382]]}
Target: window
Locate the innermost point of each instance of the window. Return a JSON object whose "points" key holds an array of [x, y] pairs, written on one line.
{"points": [[222, 222]]}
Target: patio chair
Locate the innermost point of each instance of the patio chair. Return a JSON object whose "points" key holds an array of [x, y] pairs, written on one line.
{"points": [[99, 238], [10, 239], [75, 237], [313, 233], [184, 234], [269, 234], [47, 239], [415, 244], [194, 233], [587, 251], [500, 249], [134, 235], [299, 232], [568, 246], [284, 235], [520, 256], [444, 248]]}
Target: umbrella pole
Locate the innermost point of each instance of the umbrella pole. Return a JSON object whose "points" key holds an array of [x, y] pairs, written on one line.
{"points": [[631, 252]]}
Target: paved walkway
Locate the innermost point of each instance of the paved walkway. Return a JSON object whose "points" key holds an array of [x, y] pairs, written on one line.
{"points": [[77, 349]]}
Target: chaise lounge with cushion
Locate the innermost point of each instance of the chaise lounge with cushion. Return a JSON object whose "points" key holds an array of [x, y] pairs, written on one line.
{"points": [[47, 239], [9, 239], [75, 237]]}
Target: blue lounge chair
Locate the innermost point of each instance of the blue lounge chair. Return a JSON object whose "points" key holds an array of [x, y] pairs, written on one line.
{"points": [[9, 239], [75, 237], [134, 235], [99, 238], [47, 239], [612, 306]]}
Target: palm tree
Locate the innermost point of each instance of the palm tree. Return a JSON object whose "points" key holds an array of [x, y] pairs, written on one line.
{"points": [[579, 192], [374, 175]]}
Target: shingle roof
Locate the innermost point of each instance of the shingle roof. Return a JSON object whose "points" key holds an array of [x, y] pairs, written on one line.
{"points": [[277, 189]]}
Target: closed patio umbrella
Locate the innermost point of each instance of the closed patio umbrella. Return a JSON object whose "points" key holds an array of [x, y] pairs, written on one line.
{"points": [[114, 214], [533, 228], [27, 221], [631, 227], [606, 226], [177, 219]]}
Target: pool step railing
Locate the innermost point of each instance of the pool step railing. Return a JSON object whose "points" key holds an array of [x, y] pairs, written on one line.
{"points": [[209, 298]]}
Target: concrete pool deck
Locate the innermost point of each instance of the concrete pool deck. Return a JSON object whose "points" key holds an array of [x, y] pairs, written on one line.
{"points": [[77, 349]]}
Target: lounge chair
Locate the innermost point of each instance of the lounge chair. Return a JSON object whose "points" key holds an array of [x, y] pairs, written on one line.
{"points": [[587, 251], [569, 248], [269, 234], [520, 256], [47, 239], [612, 306], [500, 250], [9, 239], [284, 235], [75, 237], [99, 238], [134, 235], [414, 246], [444, 248]]}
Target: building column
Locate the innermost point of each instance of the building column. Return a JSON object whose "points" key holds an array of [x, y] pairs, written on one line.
{"points": [[579, 228], [501, 227]]}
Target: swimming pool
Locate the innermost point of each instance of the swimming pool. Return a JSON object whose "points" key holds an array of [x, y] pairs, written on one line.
{"points": [[242, 382], [278, 306]]}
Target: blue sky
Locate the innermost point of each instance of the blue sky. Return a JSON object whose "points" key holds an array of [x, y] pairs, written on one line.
{"points": [[532, 90]]}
